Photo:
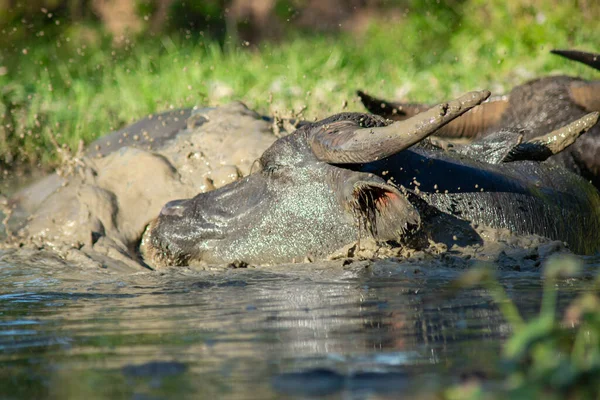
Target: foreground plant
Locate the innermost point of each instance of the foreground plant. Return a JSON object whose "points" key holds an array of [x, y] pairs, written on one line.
{"points": [[546, 356]]}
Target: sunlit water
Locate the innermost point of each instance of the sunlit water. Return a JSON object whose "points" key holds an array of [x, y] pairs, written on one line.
{"points": [[356, 331]]}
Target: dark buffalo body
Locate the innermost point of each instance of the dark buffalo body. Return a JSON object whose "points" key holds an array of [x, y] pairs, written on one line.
{"points": [[355, 175], [526, 197], [148, 133]]}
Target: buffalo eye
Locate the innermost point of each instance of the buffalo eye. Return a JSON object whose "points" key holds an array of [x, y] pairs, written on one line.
{"points": [[270, 168]]}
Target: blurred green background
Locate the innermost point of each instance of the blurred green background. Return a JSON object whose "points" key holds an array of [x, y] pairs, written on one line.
{"points": [[77, 69]]}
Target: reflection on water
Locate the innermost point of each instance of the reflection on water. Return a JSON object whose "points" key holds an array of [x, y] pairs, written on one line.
{"points": [[355, 331]]}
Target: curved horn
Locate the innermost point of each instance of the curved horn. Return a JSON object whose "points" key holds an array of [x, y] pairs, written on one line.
{"points": [[590, 59], [541, 147], [344, 143], [558, 140]]}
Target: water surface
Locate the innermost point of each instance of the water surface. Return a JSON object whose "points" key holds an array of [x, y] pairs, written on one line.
{"points": [[362, 330]]}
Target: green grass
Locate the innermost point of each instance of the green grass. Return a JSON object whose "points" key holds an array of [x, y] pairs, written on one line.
{"points": [[77, 86]]}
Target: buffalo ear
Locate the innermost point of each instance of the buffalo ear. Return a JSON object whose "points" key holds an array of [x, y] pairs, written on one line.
{"points": [[382, 210], [494, 148]]}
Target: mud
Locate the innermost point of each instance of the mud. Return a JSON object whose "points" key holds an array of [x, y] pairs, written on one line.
{"points": [[500, 249], [98, 213]]}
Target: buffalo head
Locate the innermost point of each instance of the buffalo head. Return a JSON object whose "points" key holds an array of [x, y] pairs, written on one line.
{"points": [[302, 200]]}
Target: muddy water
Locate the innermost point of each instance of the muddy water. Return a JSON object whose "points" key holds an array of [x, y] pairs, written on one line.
{"points": [[361, 330]]}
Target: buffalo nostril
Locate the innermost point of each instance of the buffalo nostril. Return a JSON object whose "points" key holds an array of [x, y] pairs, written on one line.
{"points": [[175, 208]]}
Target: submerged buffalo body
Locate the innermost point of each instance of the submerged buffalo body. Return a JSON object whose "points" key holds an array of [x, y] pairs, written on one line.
{"points": [[357, 175], [99, 210], [538, 107]]}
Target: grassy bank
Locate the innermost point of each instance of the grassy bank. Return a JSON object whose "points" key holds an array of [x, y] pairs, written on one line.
{"points": [[77, 86]]}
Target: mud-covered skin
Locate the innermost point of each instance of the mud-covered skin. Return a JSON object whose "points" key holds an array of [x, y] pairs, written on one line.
{"points": [[525, 197], [103, 208], [98, 217], [154, 133], [298, 206], [267, 217], [150, 133]]}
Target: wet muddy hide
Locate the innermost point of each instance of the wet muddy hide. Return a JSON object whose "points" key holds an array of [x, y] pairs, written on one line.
{"points": [[98, 212], [355, 176], [96, 216]]}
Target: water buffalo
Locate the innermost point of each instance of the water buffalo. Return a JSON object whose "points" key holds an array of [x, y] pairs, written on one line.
{"points": [[538, 106], [149, 133], [357, 175], [120, 184]]}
